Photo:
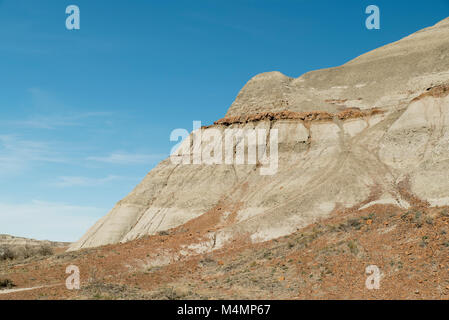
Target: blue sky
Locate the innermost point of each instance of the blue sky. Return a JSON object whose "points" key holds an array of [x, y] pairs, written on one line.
{"points": [[85, 114]]}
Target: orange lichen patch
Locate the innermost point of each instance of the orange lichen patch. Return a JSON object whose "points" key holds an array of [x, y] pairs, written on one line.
{"points": [[436, 92]]}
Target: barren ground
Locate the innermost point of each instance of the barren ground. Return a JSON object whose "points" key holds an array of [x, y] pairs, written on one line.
{"points": [[326, 260]]}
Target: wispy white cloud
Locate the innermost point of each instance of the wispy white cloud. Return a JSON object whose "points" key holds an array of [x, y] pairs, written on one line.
{"points": [[47, 220], [54, 121], [124, 158], [47, 111], [74, 181], [17, 154]]}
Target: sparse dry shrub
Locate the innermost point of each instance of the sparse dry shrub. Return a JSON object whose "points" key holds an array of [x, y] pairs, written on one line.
{"points": [[45, 250], [170, 293], [352, 245], [24, 252], [6, 253], [6, 284]]}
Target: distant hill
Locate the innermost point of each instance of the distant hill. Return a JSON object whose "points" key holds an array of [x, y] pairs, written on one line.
{"points": [[8, 240], [17, 248]]}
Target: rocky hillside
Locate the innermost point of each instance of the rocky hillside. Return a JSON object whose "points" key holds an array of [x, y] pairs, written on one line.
{"points": [[373, 131]]}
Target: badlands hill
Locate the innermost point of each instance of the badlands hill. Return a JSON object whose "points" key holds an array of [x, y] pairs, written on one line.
{"points": [[373, 131], [363, 179]]}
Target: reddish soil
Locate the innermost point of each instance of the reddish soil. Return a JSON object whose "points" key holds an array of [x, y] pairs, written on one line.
{"points": [[326, 260]]}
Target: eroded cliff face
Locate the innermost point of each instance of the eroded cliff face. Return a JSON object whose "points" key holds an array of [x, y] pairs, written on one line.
{"points": [[374, 130]]}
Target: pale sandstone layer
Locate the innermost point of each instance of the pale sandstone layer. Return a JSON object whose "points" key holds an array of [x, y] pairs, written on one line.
{"points": [[399, 155]]}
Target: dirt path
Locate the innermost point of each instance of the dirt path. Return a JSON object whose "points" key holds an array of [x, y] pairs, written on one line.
{"points": [[8, 291]]}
